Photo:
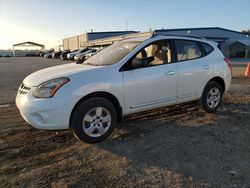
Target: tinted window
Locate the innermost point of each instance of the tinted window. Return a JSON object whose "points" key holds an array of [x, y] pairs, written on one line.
{"points": [[207, 48], [187, 50]]}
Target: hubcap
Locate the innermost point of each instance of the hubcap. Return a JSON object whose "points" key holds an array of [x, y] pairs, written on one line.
{"points": [[96, 122], [213, 97]]}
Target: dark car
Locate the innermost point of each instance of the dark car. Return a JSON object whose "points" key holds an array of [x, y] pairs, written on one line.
{"points": [[31, 54], [56, 54], [64, 54], [42, 53], [6, 55]]}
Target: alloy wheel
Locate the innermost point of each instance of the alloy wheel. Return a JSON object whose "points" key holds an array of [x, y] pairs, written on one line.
{"points": [[96, 122], [213, 97]]}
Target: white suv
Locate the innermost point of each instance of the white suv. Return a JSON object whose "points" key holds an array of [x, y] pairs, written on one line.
{"points": [[130, 76]]}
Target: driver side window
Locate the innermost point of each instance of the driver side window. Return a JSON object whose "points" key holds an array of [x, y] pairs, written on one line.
{"points": [[156, 53]]}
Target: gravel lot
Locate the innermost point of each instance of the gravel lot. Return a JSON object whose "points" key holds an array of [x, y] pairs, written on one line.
{"points": [[179, 146]]}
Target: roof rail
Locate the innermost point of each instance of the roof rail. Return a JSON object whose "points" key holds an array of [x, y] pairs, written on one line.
{"points": [[167, 34]]}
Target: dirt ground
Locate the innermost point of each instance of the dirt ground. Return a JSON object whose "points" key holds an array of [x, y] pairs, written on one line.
{"points": [[178, 146]]}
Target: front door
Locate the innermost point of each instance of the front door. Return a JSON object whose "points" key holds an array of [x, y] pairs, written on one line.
{"points": [[150, 79]]}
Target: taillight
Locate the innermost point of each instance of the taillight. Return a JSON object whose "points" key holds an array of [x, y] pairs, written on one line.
{"points": [[228, 64]]}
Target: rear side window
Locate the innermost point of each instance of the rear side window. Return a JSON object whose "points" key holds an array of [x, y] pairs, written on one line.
{"points": [[187, 50], [207, 48]]}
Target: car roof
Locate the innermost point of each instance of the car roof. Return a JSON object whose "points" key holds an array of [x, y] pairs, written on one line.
{"points": [[162, 35], [170, 36], [139, 39]]}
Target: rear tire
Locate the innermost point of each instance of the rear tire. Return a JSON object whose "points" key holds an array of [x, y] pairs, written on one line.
{"points": [[94, 120], [211, 97]]}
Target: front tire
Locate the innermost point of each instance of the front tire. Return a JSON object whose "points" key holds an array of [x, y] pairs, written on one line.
{"points": [[211, 97], [94, 120]]}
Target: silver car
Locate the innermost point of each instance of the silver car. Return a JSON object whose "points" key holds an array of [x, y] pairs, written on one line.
{"points": [[82, 56]]}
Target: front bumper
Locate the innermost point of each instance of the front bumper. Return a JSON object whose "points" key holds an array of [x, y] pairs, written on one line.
{"points": [[48, 114]]}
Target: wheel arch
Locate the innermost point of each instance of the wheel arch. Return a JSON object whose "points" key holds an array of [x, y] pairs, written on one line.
{"points": [[203, 99], [220, 81], [106, 95]]}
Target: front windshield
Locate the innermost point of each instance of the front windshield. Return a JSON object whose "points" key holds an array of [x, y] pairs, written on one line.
{"points": [[113, 53]]}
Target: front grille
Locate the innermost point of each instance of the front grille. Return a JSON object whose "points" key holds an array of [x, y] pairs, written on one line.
{"points": [[23, 89]]}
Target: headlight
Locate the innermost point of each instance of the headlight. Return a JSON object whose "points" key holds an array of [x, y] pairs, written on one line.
{"points": [[49, 88]]}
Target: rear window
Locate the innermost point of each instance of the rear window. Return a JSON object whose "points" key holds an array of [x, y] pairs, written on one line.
{"points": [[187, 50], [207, 48]]}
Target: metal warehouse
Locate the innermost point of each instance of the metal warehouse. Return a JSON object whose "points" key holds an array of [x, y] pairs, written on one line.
{"points": [[232, 43], [224, 37], [75, 42]]}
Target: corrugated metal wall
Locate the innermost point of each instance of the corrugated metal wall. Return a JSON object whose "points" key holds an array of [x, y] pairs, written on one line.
{"points": [[65, 44], [82, 38], [73, 43]]}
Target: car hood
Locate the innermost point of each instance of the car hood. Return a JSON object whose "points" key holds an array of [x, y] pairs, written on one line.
{"points": [[38, 77]]}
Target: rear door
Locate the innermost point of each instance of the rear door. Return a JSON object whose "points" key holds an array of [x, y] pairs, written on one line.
{"points": [[194, 70]]}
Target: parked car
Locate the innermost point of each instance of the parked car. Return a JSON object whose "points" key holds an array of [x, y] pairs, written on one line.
{"points": [[48, 55], [74, 51], [71, 55], [31, 54], [6, 55], [42, 53], [64, 54], [46, 52], [89, 55], [130, 76], [81, 56], [56, 54]]}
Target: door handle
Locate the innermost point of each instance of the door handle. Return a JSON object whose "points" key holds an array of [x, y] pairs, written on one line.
{"points": [[206, 67], [169, 73]]}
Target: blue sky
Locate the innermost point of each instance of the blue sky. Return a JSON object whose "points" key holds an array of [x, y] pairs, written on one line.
{"points": [[49, 21]]}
